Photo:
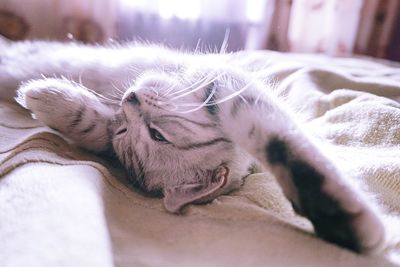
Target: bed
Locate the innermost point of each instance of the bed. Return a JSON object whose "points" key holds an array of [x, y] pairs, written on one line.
{"points": [[61, 206]]}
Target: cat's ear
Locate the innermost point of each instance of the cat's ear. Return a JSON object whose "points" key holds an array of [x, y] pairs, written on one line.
{"points": [[176, 197]]}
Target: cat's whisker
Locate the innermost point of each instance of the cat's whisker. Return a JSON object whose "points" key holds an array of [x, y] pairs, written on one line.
{"points": [[195, 104], [110, 101], [198, 87], [166, 91], [205, 103], [199, 105], [224, 45], [126, 84], [191, 85], [181, 90], [155, 91], [135, 70], [196, 49], [112, 96], [237, 93], [169, 89], [194, 90], [80, 77], [163, 103], [118, 91], [104, 98]]}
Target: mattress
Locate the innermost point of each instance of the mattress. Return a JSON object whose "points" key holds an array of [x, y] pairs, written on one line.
{"points": [[61, 206]]}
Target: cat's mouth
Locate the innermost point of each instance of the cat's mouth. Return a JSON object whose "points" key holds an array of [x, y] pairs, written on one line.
{"points": [[117, 124], [121, 131]]}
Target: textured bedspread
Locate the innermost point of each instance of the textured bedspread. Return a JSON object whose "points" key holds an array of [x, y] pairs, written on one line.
{"points": [[63, 207]]}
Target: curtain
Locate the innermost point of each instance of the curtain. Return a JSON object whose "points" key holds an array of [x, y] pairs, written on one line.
{"points": [[177, 23], [192, 23], [335, 27]]}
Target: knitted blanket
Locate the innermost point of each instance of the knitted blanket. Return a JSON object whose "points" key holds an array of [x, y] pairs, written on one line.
{"points": [[61, 206]]}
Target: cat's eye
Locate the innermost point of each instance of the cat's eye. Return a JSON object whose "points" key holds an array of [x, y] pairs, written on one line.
{"points": [[121, 131], [157, 136]]}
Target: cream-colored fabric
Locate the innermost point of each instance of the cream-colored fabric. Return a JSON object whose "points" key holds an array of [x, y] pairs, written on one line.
{"points": [[63, 207]]}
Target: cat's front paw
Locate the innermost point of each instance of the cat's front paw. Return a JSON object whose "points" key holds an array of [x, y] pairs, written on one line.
{"points": [[69, 108], [53, 101]]}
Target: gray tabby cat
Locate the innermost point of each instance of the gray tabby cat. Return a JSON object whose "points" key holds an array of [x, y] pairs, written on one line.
{"points": [[185, 127]]}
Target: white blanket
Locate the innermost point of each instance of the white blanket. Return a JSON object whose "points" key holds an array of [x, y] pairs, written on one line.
{"points": [[63, 207]]}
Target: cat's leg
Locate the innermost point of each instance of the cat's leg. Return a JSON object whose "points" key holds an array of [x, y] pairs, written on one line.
{"points": [[70, 109], [315, 187]]}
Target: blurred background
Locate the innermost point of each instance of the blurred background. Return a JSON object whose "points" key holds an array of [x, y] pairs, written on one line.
{"points": [[334, 27]]}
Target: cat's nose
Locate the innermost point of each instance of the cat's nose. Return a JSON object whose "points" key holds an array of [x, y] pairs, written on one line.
{"points": [[132, 98]]}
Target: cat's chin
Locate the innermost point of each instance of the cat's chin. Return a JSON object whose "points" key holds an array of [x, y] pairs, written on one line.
{"points": [[147, 191]]}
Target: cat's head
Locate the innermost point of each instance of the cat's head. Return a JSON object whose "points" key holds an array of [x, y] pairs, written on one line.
{"points": [[171, 144]]}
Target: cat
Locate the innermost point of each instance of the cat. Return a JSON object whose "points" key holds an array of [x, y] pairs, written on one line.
{"points": [[187, 126]]}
